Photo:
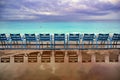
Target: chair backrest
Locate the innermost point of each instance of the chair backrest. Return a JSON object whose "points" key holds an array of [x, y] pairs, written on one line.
{"points": [[116, 37], [59, 37], [30, 37], [15, 37], [103, 37], [74, 37], [44, 37], [88, 37], [3, 37]]}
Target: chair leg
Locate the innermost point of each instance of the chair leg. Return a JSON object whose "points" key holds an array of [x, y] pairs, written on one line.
{"points": [[64, 45], [36, 44], [96, 44], [110, 44], [67, 44], [42, 44], [39, 44], [22, 46], [51, 43], [107, 44], [82, 44], [116, 44], [54, 44], [7, 44], [92, 45], [26, 44], [11, 44], [79, 44]]}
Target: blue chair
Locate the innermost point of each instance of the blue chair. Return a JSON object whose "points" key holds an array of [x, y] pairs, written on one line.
{"points": [[30, 38], [102, 38], [59, 37], [88, 38], [45, 38], [74, 37], [115, 38], [16, 38], [4, 40]]}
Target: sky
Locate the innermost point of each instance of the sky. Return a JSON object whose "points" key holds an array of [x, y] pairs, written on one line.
{"points": [[59, 10]]}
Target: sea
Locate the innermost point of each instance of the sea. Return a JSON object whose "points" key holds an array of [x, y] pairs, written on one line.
{"points": [[81, 27]]}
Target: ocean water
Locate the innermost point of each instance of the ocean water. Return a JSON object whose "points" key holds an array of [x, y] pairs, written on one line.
{"points": [[59, 27]]}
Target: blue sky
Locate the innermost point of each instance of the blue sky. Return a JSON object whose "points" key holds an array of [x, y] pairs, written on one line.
{"points": [[59, 10]]}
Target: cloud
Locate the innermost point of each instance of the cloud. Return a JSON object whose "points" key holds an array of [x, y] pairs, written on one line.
{"points": [[79, 9], [111, 1], [19, 17]]}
